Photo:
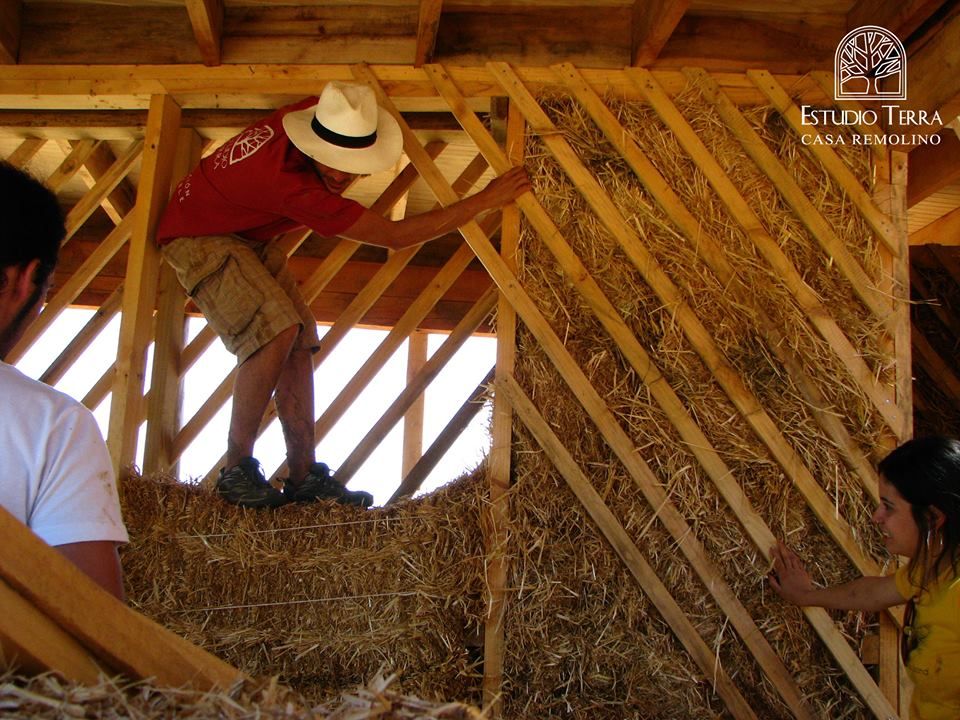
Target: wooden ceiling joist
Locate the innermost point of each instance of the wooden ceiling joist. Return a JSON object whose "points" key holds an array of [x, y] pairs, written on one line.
{"points": [[653, 24], [11, 12], [206, 18], [428, 25]]}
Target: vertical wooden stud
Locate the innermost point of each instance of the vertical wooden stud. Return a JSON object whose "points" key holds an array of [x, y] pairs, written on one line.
{"points": [[143, 265], [413, 419], [165, 402], [498, 515]]}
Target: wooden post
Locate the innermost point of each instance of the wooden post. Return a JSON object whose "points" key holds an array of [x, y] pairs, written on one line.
{"points": [[413, 419], [143, 265], [890, 195], [498, 512], [165, 402]]}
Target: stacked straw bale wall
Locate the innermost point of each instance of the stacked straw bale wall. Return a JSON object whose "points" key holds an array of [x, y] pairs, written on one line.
{"points": [[326, 597], [583, 640], [321, 596]]}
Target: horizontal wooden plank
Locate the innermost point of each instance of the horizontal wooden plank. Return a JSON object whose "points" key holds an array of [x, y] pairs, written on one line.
{"points": [[92, 87]]}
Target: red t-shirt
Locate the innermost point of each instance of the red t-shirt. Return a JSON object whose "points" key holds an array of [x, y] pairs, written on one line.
{"points": [[257, 185]]}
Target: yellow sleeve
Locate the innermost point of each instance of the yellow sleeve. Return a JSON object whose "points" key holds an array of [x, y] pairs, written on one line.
{"points": [[902, 578]]}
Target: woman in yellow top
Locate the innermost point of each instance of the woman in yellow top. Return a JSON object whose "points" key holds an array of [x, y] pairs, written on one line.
{"points": [[919, 516]]}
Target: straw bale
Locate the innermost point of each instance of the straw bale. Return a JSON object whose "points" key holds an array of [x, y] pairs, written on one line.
{"points": [[616, 657], [49, 696], [320, 595]]}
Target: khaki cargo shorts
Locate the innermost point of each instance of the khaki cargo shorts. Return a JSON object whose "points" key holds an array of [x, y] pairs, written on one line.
{"points": [[244, 289]]}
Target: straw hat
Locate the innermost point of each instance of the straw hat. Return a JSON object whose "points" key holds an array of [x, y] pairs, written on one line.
{"points": [[346, 130]]}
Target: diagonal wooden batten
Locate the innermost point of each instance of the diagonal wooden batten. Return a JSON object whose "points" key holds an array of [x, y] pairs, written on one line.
{"points": [[71, 289], [625, 548], [25, 152], [925, 295], [81, 341], [103, 386], [713, 255], [864, 287], [33, 643], [727, 376], [594, 405], [119, 202], [774, 92], [71, 165], [741, 212], [416, 385], [936, 366], [102, 188], [442, 443], [638, 358], [123, 639], [406, 324]]}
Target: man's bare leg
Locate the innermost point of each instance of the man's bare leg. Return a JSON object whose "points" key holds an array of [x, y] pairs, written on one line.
{"points": [[255, 382], [294, 400]]}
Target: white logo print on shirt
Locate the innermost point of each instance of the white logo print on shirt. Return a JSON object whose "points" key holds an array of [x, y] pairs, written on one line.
{"points": [[243, 147]]}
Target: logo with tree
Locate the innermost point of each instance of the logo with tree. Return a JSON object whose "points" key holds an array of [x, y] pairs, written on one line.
{"points": [[870, 64]]}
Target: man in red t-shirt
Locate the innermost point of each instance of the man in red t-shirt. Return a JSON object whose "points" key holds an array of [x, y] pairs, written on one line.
{"points": [[286, 172]]}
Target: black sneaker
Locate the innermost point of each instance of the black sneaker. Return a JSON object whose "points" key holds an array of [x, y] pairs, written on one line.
{"points": [[245, 485], [320, 485]]}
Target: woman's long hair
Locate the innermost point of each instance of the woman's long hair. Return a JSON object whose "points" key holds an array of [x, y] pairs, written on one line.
{"points": [[926, 473]]}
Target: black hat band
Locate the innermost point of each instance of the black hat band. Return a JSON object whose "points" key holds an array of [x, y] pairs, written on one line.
{"points": [[345, 141]]}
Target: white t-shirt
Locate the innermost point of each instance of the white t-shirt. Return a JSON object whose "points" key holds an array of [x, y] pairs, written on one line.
{"points": [[56, 476]]}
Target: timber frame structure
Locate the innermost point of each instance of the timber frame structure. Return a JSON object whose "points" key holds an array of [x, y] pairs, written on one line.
{"points": [[127, 132]]}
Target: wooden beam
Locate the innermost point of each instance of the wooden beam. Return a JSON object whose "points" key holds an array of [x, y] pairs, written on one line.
{"points": [[206, 17], [498, 519], [937, 368], [942, 231], [933, 167], [428, 24], [25, 152], [143, 267], [625, 548], [442, 443], [101, 164], [33, 644], [102, 191], [71, 165], [416, 385], [900, 18], [164, 402], [413, 417], [126, 641], [81, 341], [652, 24], [231, 87], [11, 12], [931, 88]]}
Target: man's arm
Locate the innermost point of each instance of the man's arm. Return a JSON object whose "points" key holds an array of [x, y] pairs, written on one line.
{"points": [[374, 229], [792, 582], [100, 561]]}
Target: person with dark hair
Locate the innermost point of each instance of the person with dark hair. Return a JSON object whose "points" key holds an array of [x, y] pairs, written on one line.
{"points": [[57, 475], [919, 516], [287, 172]]}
